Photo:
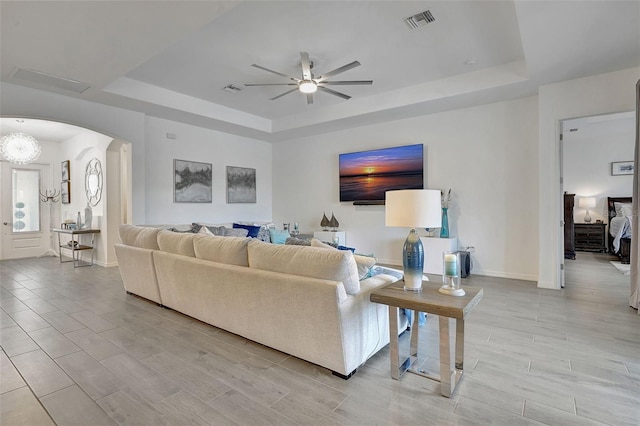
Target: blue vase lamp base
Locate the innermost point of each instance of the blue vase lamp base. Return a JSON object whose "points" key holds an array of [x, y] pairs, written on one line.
{"points": [[413, 262]]}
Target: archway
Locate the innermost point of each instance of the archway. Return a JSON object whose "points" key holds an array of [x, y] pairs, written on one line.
{"points": [[63, 142]]}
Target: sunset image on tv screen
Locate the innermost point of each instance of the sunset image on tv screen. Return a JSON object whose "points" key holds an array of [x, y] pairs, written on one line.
{"points": [[367, 175]]}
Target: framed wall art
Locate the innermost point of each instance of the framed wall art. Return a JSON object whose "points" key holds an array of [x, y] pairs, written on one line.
{"points": [[619, 168], [65, 192], [64, 170], [241, 185], [192, 181]]}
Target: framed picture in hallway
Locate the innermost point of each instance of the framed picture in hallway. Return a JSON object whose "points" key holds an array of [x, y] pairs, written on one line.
{"points": [[192, 181], [64, 170], [65, 192], [241, 185], [621, 168]]}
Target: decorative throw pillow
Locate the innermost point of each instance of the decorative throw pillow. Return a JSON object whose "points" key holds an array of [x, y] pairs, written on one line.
{"points": [[364, 263], [293, 241], [216, 230], [252, 230], [204, 230], [279, 236], [235, 232], [317, 243], [264, 234], [195, 227], [620, 207]]}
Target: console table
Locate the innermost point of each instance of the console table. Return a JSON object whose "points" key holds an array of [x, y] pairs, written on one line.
{"points": [[75, 247], [451, 311]]}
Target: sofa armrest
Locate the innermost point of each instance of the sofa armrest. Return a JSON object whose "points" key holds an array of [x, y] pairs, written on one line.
{"points": [[138, 271]]}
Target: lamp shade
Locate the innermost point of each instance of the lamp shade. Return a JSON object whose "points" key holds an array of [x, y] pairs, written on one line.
{"points": [[587, 202], [413, 208]]}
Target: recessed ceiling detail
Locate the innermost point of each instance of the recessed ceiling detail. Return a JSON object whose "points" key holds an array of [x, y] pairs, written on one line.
{"points": [[309, 83]]}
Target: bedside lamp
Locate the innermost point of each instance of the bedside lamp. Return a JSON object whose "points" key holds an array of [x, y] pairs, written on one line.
{"points": [[587, 203], [413, 208]]}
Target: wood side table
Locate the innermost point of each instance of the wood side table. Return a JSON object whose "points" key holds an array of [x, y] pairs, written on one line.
{"points": [[451, 310], [590, 237]]}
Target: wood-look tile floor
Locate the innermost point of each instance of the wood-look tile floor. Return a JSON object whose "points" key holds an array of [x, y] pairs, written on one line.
{"points": [[77, 350]]}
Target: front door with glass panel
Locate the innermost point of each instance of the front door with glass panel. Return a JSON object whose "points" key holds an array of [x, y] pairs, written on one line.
{"points": [[24, 218]]}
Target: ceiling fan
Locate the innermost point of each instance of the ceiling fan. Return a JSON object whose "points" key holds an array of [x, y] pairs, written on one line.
{"points": [[309, 84]]}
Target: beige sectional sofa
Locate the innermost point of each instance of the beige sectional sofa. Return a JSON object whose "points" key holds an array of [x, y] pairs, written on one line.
{"points": [[304, 301]]}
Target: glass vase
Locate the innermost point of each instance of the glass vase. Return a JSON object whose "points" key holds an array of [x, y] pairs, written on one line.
{"points": [[444, 230]]}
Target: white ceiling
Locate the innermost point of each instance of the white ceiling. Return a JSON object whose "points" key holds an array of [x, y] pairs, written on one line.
{"points": [[172, 59]]}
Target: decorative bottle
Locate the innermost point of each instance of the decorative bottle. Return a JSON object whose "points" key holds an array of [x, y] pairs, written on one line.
{"points": [[79, 221], [88, 216]]}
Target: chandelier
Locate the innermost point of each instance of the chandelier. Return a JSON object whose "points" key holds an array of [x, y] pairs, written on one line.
{"points": [[19, 148]]}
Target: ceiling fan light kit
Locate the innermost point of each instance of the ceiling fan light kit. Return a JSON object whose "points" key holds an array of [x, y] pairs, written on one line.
{"points": [[309, 84]]}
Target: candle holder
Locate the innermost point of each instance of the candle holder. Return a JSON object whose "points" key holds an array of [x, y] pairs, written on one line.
{"points": [[451, 274]]}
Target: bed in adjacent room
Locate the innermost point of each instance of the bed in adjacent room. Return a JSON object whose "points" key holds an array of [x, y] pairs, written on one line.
{"points": [[619, 209]]}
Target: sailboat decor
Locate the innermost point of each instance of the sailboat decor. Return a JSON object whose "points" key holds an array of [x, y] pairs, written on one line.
{"points": [[324, 223], [333, 223]]}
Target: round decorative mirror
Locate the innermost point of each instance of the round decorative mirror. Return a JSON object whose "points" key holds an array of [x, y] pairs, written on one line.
{"points": [[93, 182]]}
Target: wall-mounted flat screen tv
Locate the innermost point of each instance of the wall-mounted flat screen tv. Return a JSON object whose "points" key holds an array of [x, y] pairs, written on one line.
{"points": [[366, 175]]}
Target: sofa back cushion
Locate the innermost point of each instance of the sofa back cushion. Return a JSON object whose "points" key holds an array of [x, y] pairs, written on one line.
{"points": [[334, 265], [176, 243], [139, 236], [229, 250]]}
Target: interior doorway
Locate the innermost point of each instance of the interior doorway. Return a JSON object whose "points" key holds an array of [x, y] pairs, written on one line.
{"points": [[588, 148]]}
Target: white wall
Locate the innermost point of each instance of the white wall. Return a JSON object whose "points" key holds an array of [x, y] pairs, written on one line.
{"points": [[486, 154], [600, 94], [587, 167], [206, 146]]}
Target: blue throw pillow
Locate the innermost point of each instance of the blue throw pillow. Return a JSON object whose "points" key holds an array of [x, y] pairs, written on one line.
{"points": [[253, 230], [279, 236]]}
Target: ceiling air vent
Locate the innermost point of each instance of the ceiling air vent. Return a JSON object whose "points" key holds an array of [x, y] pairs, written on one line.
{"points": [[231, 88], [40, 77], [419, 20]]}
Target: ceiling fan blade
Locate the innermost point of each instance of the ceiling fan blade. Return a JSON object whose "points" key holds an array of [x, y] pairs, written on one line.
{"points": [[346, 83], [333, 92], [306, 66], [271, 84], [309, 98], [338, 70], [282, 94], [274, 72]]}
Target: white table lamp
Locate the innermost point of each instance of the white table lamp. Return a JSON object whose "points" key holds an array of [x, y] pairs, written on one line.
{"points": [[413, 208], [587, 203]]}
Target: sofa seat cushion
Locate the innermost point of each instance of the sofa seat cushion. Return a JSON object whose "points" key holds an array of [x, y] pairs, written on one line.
{"points": [[229, 250], [139, 236], [176, 243], [334, 265]]}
